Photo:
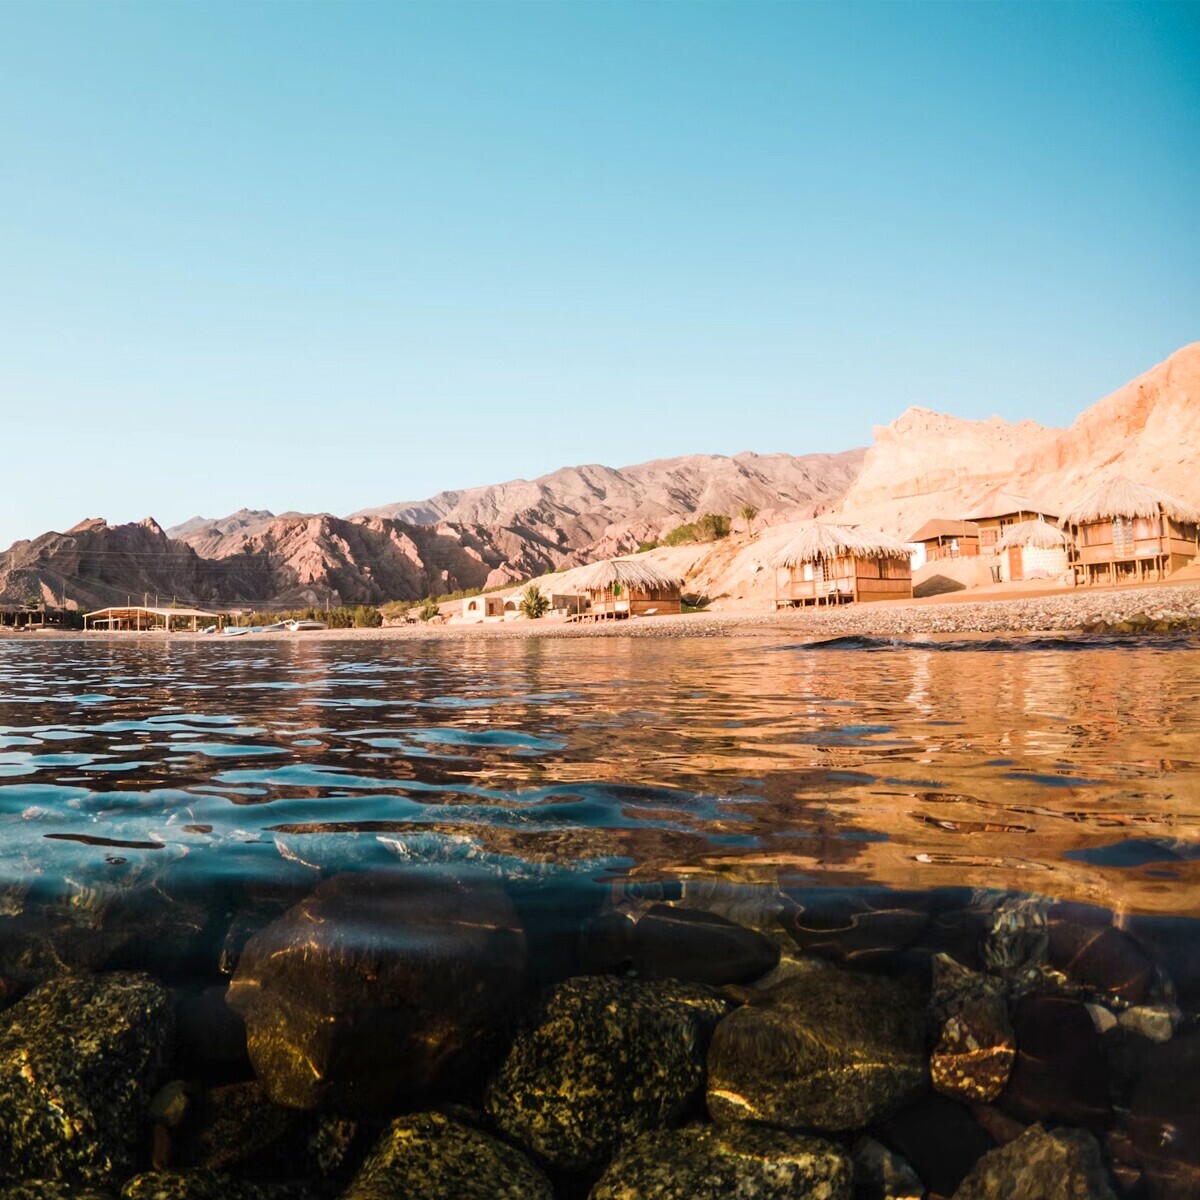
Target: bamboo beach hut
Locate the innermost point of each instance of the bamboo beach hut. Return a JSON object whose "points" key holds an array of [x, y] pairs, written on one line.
{"points": [[616, 588], [1033, 550], [835, 564], [1127, 531]]}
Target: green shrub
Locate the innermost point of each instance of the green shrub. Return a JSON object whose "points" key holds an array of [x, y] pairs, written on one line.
{"points": [[366, 616], [644, 546], [429, 609], [713, 526]]}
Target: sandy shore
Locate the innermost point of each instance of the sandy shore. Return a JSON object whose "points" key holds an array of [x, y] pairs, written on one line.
{"points": [[953, 616]]}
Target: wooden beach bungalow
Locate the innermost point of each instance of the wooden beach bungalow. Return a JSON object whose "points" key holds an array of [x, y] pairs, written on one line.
{"points": [[834, 564], [1125, 532], [1033, 550], [947, 539], [138, 617], [617, 588], [999, 510]]}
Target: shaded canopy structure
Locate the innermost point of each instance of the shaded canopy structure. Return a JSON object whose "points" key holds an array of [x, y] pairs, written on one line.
{"points": [[624, 587], [143, 617], [818, 542], [1039, 534], [1123, 497]]}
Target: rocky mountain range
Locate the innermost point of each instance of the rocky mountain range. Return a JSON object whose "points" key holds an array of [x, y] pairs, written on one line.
{"points": [[923, 464], [482, 537]]}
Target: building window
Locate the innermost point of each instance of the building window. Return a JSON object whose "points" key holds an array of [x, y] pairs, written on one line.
{"points": [[1122, 535]]}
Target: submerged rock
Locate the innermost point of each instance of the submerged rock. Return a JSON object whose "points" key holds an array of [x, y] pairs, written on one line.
{"points": [[80, 1060], [1061, 1071], [50, 1189], [604, 1059], [861, 926], [701, 947], [1063, 1165], [230, 1125], [940, 1138], [1164, 1119], [881, 1174], [191, 1185], [830, 1050], [976, 1045], [379, 986], [1090, 950], [703, 1162], [430, 1156]]}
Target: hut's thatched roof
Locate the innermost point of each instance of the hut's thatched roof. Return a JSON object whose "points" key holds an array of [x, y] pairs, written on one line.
{"points": [[1001, 503], [628, 572], [1121, 497], [818, 541], [1039, 534]]}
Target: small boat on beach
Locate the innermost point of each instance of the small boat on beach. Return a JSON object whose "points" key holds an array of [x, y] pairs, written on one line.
{"points": [[276, 628], [305, 626], [236, 630]]}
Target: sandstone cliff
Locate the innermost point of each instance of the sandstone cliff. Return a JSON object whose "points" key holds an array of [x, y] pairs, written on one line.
{"points": [[926, 464]]}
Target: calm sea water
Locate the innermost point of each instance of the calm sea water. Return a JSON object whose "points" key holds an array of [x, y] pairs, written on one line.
{"points": [[1030, 808], [1067, 770]]}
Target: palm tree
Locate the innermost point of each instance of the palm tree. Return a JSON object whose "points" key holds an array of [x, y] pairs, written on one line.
{"points": [[534, 603], [748, 512]]}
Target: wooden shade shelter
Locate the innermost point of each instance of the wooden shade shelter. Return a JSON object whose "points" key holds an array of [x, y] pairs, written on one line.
{"points": [[1127, 531], [835, 564], [623, 587], [141, 618]]}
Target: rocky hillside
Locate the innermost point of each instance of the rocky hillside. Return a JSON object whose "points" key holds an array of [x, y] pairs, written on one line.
{"points": [[926, 464], [95, 564]]}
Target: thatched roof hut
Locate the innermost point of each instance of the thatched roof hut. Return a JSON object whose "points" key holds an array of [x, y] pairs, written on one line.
{"points": [[817, 542], [1039, 534], [1122, 497], [632, 573]]}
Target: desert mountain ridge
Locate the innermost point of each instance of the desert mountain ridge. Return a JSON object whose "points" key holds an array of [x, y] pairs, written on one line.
{"points": [[924, 464]]}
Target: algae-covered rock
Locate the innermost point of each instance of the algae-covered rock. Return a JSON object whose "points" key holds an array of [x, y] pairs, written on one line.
{"points": [[430, 1156], [190, 1185], [378, 986], [1063, 1165], [881, 1174], [705, 1162], [603, 1059], [829, 1050], [231, 1124], [80, 1060], [976, 1045], [51, 1189]]}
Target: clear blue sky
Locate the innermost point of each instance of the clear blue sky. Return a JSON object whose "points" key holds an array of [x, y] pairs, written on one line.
{"points": [[321, 256]]}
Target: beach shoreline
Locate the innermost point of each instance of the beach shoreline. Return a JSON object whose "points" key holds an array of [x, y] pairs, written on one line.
{"points": [[1058, 612]]}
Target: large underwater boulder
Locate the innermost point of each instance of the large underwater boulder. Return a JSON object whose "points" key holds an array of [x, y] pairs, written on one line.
{"points": [[378, 986], [80, 1059], [1065, 1164], [602, 1060], [705, 1162], [829, 1050], [430, 1156]]}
